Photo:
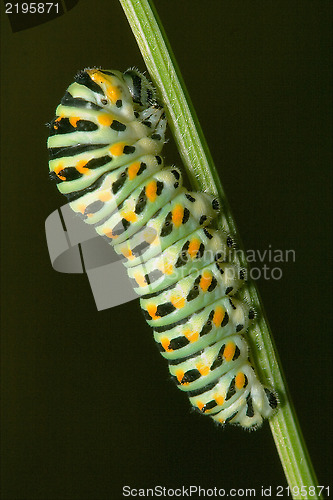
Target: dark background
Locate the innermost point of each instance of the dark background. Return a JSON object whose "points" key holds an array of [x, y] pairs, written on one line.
{"points": [[87, 402]]}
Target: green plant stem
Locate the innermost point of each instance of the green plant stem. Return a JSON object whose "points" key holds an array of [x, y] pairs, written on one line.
{"points": [[200, 168]]}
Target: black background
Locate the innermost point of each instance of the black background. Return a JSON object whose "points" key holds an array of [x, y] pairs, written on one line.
{"points": [[87, 402]]}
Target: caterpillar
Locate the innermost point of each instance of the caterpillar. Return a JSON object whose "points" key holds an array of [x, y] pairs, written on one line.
{"points": [[104, 154]]}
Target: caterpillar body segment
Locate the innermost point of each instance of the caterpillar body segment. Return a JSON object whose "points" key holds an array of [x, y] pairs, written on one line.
{"points": [[113, 188], [206, 327], [104, 149], [191, 293], [138, 209], [97, 129], [176, 219]]}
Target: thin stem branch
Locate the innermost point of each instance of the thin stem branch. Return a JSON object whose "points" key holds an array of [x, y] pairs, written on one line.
{"points": [[203, 175]]}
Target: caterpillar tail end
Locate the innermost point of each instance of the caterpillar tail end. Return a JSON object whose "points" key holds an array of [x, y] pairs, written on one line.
{"points": [[261, 403]]}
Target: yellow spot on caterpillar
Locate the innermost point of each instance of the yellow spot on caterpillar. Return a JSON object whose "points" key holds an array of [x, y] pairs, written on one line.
{"points": [[149, 235], [152, 310], [178, 301], [180, 376], [140, 279], [81, 208], [218, 316], [200, 405], [104, 196], [191, 335], [133, 170], [73, 120], [240, 380], [165, 344], [80, 167], [129, 216], [219, 399], [117, 149], [56, 124], [177, 215], [113, 93], [229, 351], [151, 191], [105, 119], [96, 76], [203, 369], [108, 232], [206, 279], [58, 171], [193, 248], [221, 420], [127, 252], [166, 268]]}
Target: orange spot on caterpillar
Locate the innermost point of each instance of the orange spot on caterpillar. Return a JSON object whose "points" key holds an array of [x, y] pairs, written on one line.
{"points": [[140, 279], [58, 170], [180, 376], [219, 399], [205, 281], [191, 335], [80, 167], [108, 232], [117, 149], [105, 119], [193, 248], [152, 309], [73, 120], [166, 268], [56, 124], [177, 215], [203, 369], [151, 191], [129, 216], [104, 196], [229, 351], [96, 76], [165, 344], [200, 405], [240, 380], [127, 252], [81, 208], [133, 170], [178, 301], [113, 93], [219, 314]]}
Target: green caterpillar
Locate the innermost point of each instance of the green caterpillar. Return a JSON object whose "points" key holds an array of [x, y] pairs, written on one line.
{"points": [[104, 149]]}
